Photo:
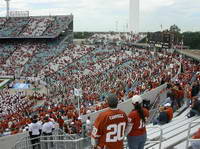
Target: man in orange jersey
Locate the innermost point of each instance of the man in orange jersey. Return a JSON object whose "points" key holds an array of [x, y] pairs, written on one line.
{"points": [[109, 127]]}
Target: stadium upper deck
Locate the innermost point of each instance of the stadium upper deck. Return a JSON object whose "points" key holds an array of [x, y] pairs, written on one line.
{"points": [[34, 27], [27, 41]]}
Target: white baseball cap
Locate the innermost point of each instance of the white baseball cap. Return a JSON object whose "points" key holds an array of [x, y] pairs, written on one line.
{"points": [[136, 99], [167, 105]]}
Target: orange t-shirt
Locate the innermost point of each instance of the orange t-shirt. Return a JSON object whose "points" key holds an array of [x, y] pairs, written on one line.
{"points": [[138, 125], [169, 111], [196, 135], [109, 129]]}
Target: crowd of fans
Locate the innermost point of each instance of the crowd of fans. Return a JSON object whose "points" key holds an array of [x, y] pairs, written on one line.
{"points": [[98, 70], [71, 54], [115, 38], [14, 110], [49, 26], [114, 71]]}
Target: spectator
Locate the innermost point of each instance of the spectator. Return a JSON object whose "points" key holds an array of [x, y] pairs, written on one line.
{"points": [[88, 126], [169, 111], [109, 127], [195, 89], [7, 132], [196, 143], [35, 131], [60, 122], [162, 118], [146, 103], [136, 129], [195, 107], [168, 99], [47, 130]]}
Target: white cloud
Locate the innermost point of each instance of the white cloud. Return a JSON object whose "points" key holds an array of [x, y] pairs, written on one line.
{"points": [[151, 5]]}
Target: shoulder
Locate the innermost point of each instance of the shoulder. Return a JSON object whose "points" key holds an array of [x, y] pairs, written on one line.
{"points": [[132, 113], [104, 113], [102, 116]]}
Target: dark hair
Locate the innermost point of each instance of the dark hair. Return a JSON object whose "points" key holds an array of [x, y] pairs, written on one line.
{"points": [[112, 101], [169, 94], [35, 116], [139, 109], [46, 118], [34, 120]]}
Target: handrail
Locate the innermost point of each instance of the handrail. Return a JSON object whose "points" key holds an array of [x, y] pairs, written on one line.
{"points": [[154, 106], [46, 139], [161, 136], [55, 134]]}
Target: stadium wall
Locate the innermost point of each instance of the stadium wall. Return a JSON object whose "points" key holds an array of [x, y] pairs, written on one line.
{"points": [[8, 142]]}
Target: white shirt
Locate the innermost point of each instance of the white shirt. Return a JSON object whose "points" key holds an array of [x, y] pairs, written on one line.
{"points": [[34, 128], [88, 122], [48, 127], [7, 133]]}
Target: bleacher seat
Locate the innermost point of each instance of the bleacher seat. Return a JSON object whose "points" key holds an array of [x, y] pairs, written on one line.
{"points": [[174, 132]]}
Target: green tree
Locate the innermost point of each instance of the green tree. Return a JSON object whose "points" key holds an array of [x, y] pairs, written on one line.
{"points": [[192, 39], [174, 28]]}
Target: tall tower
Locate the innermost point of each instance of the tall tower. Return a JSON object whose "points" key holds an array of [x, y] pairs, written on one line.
{"points": [[134, 16], [7, 8]]}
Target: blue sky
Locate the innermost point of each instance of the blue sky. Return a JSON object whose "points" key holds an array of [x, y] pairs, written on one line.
{"points": [[102, 15]]}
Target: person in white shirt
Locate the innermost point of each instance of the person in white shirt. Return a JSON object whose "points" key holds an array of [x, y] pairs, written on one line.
{"points": [[7, 132], [47, 130], [47, 127], [35, 131], [88, 125]]}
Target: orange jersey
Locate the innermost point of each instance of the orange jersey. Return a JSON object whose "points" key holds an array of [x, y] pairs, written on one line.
{"points": [[109, 128], [138, 125]]}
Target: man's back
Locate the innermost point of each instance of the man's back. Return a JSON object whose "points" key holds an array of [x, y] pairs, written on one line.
{"points": [[47, 127], [35, 128], [109, 127]]}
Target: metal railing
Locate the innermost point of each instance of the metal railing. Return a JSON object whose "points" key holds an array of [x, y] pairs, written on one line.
{"points": [[58, 140], [53, 142], [160, 138], [189, 139], [154, 108]]}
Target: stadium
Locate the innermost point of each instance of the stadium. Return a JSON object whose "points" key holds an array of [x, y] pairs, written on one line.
{"points": [[45, 75]]}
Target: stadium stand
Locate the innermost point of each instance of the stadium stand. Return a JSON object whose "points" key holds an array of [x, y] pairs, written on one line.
{"points": [[34, 27], [113, 66]]}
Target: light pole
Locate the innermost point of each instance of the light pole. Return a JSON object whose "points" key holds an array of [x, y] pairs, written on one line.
{"points": [[7, 8]]}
